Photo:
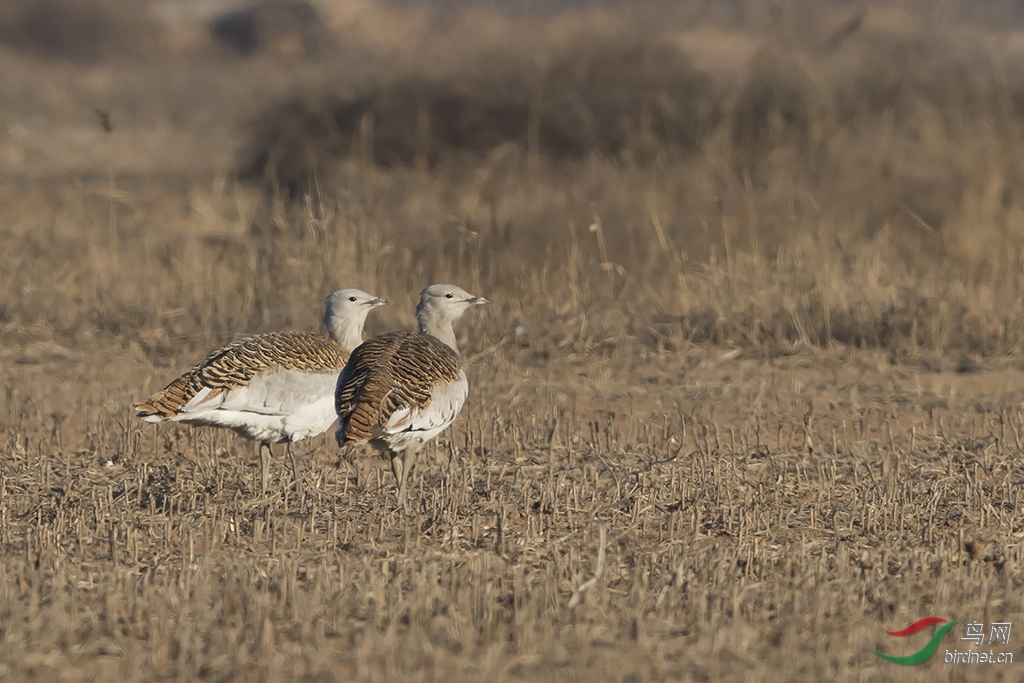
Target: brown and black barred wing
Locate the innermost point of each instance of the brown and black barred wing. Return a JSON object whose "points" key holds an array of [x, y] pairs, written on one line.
{"points": [[235, 364], [390, 373]]}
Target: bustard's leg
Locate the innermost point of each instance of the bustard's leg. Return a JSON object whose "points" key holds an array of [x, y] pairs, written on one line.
{"points": [[397, 469], [296, 474], [265, 454], [408, 459]]}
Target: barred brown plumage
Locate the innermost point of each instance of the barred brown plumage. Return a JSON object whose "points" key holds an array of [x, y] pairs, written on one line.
{"points": [[272, 388], [387, 373], [402, 389]]}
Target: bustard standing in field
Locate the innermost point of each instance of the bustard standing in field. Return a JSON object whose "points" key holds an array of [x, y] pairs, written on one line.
{"points": [[402, 389], [270, 387]]}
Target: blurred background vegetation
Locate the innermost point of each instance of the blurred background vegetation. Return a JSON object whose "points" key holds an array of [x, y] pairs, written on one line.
{"points": [[765, 175]]}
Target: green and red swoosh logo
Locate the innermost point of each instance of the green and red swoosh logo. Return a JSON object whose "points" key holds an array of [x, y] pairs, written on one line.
{"points": [[930, 647]]}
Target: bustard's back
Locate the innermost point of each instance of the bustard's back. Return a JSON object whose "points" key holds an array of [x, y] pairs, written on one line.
{"points": [[395, 381]]}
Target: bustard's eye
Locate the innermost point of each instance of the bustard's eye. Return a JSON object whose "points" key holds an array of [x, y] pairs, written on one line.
{"points": [[449, 295], [352, 298]]}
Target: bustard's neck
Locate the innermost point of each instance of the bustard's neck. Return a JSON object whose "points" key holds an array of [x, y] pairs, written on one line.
{"points": [[348, 332], [437, 325]]}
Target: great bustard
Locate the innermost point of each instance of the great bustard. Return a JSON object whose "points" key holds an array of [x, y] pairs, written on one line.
{"points": [[402, 389], [269, 387]]}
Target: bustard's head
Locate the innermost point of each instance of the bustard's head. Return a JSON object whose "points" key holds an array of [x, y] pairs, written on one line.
{"points": [[440, 307], [345, 314]]}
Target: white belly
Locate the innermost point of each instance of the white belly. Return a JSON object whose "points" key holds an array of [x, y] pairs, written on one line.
{"points": [[286, 405]]}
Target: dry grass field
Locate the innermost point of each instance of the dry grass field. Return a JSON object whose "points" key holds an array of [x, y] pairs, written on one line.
{"points": [[765, 402]]}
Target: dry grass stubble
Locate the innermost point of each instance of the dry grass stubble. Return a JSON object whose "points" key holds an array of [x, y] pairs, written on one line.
{"points": [[804, 509]]}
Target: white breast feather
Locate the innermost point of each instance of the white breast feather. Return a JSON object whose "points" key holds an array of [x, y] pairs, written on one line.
{"points": [[445, 403]]}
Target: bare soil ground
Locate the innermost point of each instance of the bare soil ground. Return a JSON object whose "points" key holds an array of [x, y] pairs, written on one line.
{"points": [[748, 394]]}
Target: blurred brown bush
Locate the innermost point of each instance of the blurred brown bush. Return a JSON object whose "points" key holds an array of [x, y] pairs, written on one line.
{"points": [[79, 30], [618, 96], [287, 28]]}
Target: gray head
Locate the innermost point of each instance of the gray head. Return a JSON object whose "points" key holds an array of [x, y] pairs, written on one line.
{"points": [[345, 314], [440, 307]]}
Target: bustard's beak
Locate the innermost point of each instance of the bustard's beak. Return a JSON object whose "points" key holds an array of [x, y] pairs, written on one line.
{"points": [[477, 300], [379, 302]]}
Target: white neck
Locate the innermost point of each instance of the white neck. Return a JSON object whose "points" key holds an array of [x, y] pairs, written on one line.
{"points": [[438, 325], [348, 332]]}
